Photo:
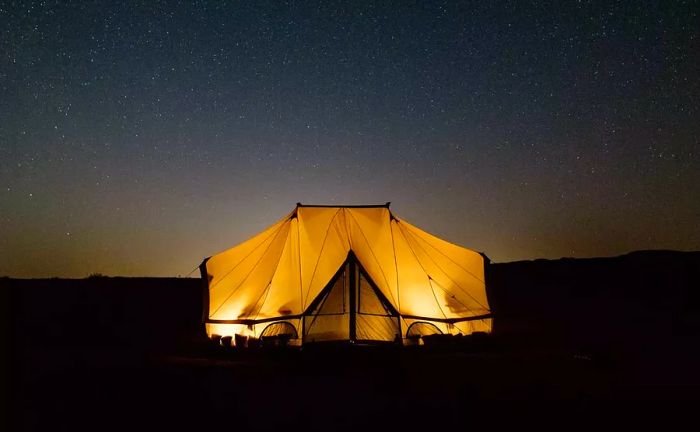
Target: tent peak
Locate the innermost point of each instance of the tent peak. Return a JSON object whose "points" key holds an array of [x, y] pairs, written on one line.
{"points": [[386, 205]]}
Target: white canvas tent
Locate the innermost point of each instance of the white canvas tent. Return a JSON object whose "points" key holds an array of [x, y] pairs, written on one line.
{"points": [[355, 273]]}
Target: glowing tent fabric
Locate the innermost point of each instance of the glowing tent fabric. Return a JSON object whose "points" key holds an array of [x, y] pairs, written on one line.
{"points": [[344, 273]]}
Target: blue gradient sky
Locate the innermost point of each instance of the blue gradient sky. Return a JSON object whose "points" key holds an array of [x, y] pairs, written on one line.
{"points": [[137, 138]]}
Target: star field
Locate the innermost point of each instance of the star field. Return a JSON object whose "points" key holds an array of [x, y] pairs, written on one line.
{"points": [[137, 138]]}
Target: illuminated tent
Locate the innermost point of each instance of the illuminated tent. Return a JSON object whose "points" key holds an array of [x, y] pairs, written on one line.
{"points": [[354, 273]]}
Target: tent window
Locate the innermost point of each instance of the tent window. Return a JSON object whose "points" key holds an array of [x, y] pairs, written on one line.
{"points": [[335, 301], [368, 301], [329, 318], [422, 328], [280, 328], [374, 320]]}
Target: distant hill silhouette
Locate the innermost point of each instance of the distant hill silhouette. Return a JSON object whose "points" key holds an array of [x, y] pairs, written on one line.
{"points": [[643, 294], [579, 303]]}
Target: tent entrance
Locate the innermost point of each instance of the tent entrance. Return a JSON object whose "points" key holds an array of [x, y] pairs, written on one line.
{"points": [[351, 307], [328, 316]]}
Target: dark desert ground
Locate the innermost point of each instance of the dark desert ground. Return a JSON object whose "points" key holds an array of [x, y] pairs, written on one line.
{"points": [[577, 343]]}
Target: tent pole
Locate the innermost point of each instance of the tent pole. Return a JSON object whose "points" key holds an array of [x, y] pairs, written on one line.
{"points": [[353, 288], [205, 290]]}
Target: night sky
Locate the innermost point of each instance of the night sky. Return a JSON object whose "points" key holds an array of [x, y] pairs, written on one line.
{"points": [[137, 138]]}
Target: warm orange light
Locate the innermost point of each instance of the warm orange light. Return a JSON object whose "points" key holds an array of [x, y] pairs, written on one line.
{"points": [[280, 271]]}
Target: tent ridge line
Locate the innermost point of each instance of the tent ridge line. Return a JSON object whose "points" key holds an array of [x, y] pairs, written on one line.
{"points": [[344, 206]]}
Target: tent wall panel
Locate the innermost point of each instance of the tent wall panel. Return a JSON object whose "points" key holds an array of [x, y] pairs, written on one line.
{"points": [[241, 297]]}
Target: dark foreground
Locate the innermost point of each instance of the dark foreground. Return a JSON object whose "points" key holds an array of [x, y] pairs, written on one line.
{"points": [[577, 344], [343, 389]]}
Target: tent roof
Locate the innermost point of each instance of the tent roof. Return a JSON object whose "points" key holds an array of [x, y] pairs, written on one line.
{"points": [[388, 203]]}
